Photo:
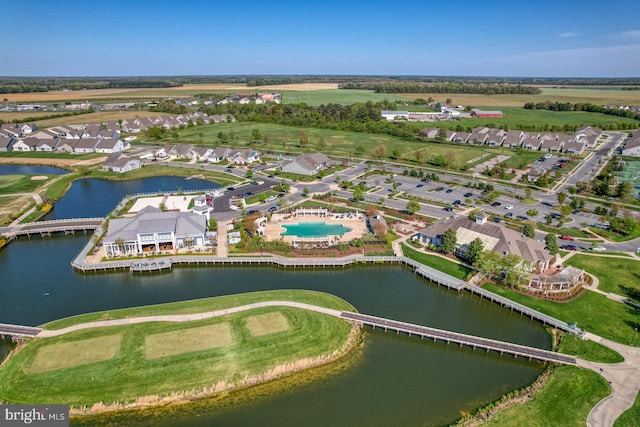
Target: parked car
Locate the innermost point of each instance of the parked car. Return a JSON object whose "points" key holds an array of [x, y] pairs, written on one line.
{"points": [[230, 188], [448, 209], [496, 219], [468, 194], [449, 190], [548, 156], [272, 209], [496, 204], [508, 207], [509, 214], [566, 237], [569, 247], [457, 202], [598, 248], [419, 185], [522, 217], [439, 189]]}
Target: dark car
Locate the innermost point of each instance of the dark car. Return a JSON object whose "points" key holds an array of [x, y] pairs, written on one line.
{"points": [[522, 217], [547, 204], [439, 189], [280, 194], [496, 204], [496, 219], [425, 180], [419, 185], [272, 209], [575, 211], [449, 191], [230, 188], [456, 202], [509, 214], [468, 194], [569, 247], [448, 209]]}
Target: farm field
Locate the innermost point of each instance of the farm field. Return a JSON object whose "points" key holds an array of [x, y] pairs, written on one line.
{"points": [[340, 96], [150, 360]]}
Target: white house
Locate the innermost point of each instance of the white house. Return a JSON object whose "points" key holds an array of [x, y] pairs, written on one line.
{"points": [[109, 145], [120, 162], [632, 148], [391, 115]]}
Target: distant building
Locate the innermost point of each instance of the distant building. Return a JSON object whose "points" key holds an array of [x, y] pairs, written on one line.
{"points": [[481, 113], [391, 115], [307, 164]]}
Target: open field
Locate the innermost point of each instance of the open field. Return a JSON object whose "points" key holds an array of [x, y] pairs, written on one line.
{"points": [[340, 96], [593, 312], [12, 206], [187, 340], [565, 400], [187, 90], [285, 139], [180, 367], [266, 324], [10, 184], [616, 275], [75, 353], [588, 350], [598, 95]]}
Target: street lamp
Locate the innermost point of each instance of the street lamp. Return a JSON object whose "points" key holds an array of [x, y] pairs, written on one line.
{"points": [[634, 335]]}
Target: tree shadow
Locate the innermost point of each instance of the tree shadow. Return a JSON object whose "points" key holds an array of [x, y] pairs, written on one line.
{"points": [[632, 293]]}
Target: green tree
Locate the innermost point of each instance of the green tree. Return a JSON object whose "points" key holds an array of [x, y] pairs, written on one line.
{"points": [[624, 190], [448, 241], [381, 151], [552, 243], [442, 135], [474, 250], [396, 153], [249, 173], [413, 206], [515, 270], [527, 230], [304, 139], [305, 192], [562, 197], [256, 136], [489, 263], [358, 194]]}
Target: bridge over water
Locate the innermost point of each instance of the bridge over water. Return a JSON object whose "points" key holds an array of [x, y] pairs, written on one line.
{"points": [[66, 226]]}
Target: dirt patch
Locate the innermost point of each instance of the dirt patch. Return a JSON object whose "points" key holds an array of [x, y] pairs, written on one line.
{"points": [[75, 353], [187, 340], [266, 324], [39, 178]]}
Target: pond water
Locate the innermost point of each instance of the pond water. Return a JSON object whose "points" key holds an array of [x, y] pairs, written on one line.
{"points": [[30, 170], [396, 380]]}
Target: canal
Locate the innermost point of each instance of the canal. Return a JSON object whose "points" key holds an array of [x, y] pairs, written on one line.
{"points": [[395, 380]]}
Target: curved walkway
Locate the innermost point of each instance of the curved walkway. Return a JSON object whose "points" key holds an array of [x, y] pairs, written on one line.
{"points": [[623, 377], [185, 317]]}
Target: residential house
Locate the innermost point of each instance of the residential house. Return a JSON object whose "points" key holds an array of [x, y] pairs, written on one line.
{"points": [[495, 140], [494, 237], [513, 139], [66, 145], [151, 230], [550, 144], [430, 133], [573, 147], [307, 164], [85, 145], [19, 144], [121, 163], [201, 154], [461, 137], [5, 144], [200, 207], [110, 145], [632, 148], [531, 143], [478, 138]]}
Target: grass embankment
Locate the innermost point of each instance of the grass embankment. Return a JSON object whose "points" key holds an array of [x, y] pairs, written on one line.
{"points": [[631, 417], [593, 312], [10, 184], [454, 269], [574, 232], [566, 400], [181, 360], [588, 350], [149, 171], [616, 275]]}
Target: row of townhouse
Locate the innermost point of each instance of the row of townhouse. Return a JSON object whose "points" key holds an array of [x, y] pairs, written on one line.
{"points": [[583, 138], [141, 124], [95, 130], [61, 145], [632, 146], [208, 154]]}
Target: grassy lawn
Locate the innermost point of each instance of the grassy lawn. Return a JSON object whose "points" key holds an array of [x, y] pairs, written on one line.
{"points": [[593, 312], [140, 360], [616, 275], [444, 265], [565, 400], [160, 170], [631, 417], [615, 237], [10, 184], [588, 350], [574, 232], [50, 155], [338, 96]]}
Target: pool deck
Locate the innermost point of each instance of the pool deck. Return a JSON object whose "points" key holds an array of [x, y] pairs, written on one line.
{"points": [[357, 223]]}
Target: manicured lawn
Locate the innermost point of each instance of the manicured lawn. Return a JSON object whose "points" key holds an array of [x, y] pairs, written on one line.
{"points": [[565, 400], [615, 237], [454, 269], [10, 184], [593, 312], [631, 417], [160, 170], [141, 362], [574, 232], [617, 275], [588, 350]]}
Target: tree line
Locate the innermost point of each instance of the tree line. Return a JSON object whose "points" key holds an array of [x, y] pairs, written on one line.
{"points": [[581, 106], [420, 87], [40, 84]]}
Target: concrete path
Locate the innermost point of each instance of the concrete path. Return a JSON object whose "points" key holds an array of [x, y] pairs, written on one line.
{"points": [[185, 317], [221, 248], [624, 379]]}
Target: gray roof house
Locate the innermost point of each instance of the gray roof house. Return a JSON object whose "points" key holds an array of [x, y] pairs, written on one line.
{"points": [[573, 147], [632, 147], [495, 237], [152, 230], [513, 139], [120, 162], [531, 143], [307, 164]]}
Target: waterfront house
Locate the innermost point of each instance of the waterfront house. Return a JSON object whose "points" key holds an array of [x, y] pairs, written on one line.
{"points": [[110, 145], [121, 163], [153, 231], [494, 237]]}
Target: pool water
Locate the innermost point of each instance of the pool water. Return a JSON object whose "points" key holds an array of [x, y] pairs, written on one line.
{"points": [[315, 229]]}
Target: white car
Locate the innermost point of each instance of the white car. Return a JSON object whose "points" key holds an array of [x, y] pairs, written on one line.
{"points": [[509, 207], [598, 248], [548, 156]]}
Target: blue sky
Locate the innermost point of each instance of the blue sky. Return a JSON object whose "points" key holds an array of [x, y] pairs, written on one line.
{"points": [[558, 38]]}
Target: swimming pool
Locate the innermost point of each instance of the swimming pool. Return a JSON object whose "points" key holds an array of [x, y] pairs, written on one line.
{"points": [[315, 229]]}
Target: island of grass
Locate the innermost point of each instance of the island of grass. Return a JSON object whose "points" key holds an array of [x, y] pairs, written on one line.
{"points": [[158, 362]]}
